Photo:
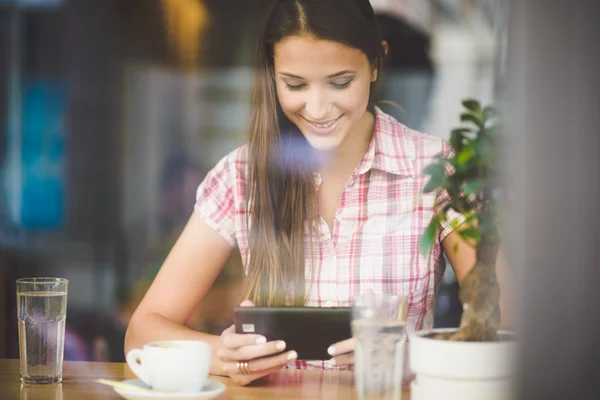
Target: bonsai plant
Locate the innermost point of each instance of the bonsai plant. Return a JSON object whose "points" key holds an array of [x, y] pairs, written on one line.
{"points": [[471, 178], [469, 362]]}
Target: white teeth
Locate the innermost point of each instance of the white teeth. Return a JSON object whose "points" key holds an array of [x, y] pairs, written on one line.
{"points": [[323, 126]]}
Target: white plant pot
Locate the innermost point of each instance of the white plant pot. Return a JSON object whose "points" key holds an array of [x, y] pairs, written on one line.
{"points": [[461, 370]]}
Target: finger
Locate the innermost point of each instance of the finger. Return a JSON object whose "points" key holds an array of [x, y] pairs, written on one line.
{"points": [[247, 303], [237, 340], [344, 359], [245, 353], [278, 360], [262, 364], [233, 340], [345, 346]]}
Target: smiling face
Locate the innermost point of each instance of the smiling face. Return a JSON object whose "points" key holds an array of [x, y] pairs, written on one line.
{"points": [[323, 88]]}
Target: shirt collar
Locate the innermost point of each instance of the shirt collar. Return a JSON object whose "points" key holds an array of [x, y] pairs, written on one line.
{"points": [[389, 150]]}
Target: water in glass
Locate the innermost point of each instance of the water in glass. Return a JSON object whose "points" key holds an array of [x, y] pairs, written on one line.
{"points": [[42, 318], [379, 358]]}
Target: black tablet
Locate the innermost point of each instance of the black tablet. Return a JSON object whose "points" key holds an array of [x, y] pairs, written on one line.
{"points": [[307, 330]]}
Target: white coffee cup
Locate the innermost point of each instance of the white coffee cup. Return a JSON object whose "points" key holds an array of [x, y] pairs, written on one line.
{"points": [[172, 365]]}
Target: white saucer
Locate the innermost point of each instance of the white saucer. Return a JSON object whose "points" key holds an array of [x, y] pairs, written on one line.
{"points": [[211, 389]]}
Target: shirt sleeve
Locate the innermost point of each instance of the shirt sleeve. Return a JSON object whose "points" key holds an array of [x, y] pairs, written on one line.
{"points": [[453, 218], [215, 199]]}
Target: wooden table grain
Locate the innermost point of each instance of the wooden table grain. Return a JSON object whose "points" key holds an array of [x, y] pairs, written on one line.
{"points": [[79, 382]]}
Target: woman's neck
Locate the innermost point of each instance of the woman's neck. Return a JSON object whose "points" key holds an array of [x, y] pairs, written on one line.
{"points": [[345, 158]]}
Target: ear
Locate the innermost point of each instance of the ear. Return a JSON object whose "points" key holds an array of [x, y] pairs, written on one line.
{"points": [[374, 74]]}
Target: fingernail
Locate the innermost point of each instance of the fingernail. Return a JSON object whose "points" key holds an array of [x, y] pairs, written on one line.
{"points": [[261, 340], [280, 345], [292, 356], [331, 350]]}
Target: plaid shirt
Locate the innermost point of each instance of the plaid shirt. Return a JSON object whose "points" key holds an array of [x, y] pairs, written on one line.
{"points": [[376, 232]]}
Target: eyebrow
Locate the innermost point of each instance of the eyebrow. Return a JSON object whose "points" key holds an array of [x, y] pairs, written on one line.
{"points": [[340, 73]]}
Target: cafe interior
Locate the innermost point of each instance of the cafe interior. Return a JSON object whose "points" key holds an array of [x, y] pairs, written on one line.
{"points": [[112, 112]]}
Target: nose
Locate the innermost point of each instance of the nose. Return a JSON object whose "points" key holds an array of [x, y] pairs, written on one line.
{"points": [[317, 105]]}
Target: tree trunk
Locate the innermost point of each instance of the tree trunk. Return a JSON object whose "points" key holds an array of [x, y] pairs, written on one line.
{"points": [[480, 294]]}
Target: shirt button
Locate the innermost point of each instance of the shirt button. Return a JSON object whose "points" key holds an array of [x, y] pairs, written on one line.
{"points": [[338, 217], [329, 304]]}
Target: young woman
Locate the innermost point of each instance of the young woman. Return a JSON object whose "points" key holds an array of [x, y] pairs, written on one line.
{"points": [[324, 202]]}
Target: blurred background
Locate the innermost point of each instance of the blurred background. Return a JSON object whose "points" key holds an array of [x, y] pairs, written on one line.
{"points": [[112, 111]]}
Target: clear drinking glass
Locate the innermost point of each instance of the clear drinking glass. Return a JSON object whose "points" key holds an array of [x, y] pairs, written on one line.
{"points": [[378, 326], [42, 311]]}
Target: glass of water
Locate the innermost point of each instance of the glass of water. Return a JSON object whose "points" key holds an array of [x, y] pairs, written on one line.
{"points": [[378, 326], [42, 311]]}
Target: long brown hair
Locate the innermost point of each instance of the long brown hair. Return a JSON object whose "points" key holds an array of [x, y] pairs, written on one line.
{"points": [[282, 195]]}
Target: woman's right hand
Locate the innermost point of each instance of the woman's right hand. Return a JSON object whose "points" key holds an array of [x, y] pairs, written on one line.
{"points": [[262, 357]]}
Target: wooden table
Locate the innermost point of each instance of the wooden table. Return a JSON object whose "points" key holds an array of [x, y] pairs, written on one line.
{"points": [[79, 382]]}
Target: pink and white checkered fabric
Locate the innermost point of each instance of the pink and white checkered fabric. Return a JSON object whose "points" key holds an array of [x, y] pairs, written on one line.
{"points": [[375, 239]]}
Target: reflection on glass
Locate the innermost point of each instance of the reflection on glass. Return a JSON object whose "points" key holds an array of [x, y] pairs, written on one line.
{"points": [[35, 392]]}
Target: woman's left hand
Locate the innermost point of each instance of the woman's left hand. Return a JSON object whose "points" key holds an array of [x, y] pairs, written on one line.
{"points": [[343, 353]]}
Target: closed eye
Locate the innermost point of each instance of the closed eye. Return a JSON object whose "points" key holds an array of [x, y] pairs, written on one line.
{"points": [[295, 87], [342, 85]]}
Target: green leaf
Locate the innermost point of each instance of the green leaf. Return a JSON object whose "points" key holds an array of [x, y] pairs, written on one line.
{"points": [[469, 117], [456, 138], [430, 235], [465, 155], [433, 185], [470, 233], [435, 169], [473, 186], [438, 177], [472, 105]]}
